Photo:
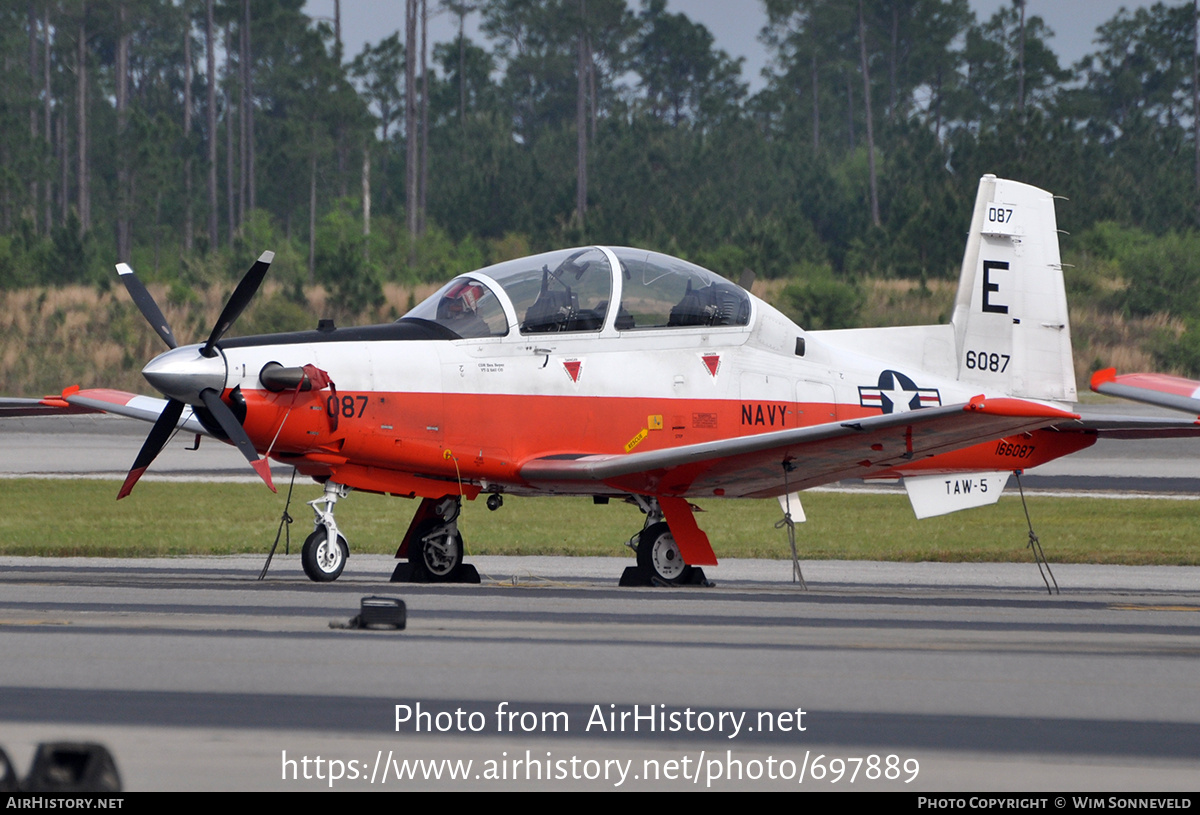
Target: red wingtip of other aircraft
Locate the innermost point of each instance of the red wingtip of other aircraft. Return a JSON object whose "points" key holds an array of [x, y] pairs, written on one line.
{"points": [[1102, 376]]}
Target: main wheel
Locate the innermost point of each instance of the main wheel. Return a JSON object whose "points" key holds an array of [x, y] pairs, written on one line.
{"points": [[659, 556], [322, 562], [436, 550]]}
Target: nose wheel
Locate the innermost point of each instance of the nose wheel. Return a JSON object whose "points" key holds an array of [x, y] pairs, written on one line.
{"points": [[323, 561]]}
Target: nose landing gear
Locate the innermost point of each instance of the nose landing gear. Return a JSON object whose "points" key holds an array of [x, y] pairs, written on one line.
{"points": [[325, 551]]}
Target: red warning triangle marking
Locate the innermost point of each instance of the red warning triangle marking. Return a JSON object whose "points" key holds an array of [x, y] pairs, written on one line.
{"points": [[712, 362], [573, 367]]}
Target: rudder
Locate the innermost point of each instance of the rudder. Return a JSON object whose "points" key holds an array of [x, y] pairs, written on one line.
{"points": [[1010, 316]]}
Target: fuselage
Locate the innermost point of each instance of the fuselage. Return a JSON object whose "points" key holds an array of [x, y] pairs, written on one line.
{"points": [[416, 408]]}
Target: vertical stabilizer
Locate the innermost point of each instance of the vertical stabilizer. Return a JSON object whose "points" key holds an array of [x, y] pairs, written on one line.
{"points": [[1010, 317]]}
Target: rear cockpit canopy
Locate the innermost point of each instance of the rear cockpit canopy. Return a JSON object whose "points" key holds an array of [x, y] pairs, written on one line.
{"points": [[571, 291], [661, 291]]}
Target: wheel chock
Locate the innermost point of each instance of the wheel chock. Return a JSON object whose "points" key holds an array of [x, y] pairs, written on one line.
{"points": [[72, 767], [8, 776], [635, 576], [407, 572]]}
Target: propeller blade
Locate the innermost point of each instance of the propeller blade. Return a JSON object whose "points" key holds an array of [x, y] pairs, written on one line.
{"points": [[236, 433], [146, 305], [238, 301], [155, 442]]}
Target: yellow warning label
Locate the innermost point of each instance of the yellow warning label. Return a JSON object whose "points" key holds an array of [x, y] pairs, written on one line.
{"points": [[654, 422], [636, 440]]}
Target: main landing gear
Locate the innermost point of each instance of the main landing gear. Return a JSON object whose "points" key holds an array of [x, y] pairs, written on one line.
{"points": [[659, 556], [435, 546], [660, 563]]}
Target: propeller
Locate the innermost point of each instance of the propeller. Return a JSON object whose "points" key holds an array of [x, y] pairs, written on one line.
{"points": [[192, 375]]}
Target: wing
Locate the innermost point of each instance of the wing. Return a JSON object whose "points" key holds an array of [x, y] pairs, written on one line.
{"points": [[1122, 426], [1166, 391], [13, 407], [99, 400], [774, 463]]}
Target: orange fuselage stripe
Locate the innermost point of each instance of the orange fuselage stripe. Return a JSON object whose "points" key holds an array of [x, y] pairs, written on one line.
{"points": [[488, 436]]}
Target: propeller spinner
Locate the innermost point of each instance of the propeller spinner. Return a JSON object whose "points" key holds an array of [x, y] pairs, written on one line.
{"points": [[193, 374]]}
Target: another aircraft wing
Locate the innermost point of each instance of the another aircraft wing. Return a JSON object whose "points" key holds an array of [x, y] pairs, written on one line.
{"points": [[771, 464], [1173, 392], [12, 407], [1119, 426], [98, 400]]}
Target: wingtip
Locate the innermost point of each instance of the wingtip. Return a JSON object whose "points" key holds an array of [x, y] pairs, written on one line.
{"points": [[60, 399], [1103, 376], [1011, 406]]}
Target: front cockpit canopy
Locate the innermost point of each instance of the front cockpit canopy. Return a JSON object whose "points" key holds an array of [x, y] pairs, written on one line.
{"points": [[571, 291]]}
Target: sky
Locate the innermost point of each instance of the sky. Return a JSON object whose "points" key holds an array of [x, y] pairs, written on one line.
{"points": [[734, 23]]}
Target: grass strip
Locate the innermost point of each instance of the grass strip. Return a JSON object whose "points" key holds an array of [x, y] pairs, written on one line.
{"points": [[79, 517]]}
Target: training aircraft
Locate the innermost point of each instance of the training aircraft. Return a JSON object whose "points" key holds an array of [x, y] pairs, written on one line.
{"points": [[623, 373]]}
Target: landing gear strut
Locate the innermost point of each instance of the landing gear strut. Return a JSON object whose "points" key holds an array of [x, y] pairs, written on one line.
{"points": [[325, 551]]}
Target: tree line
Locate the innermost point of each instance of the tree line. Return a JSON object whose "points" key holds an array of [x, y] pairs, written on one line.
{"points": [[185, 136]]}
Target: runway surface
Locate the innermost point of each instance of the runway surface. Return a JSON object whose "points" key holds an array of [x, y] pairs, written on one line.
{"points": [[198, 677]]}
